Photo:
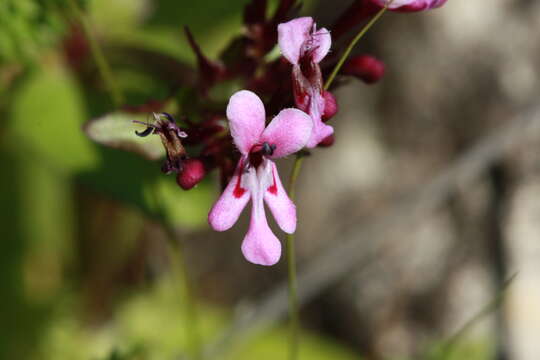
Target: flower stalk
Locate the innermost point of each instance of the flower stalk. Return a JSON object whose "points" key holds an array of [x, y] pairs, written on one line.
{"points": [[358, 36], [294, 316]]}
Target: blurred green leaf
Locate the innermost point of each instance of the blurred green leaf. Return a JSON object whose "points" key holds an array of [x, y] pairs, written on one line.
{"points": [[117, 130], [118, 16], [26, 27], [158, 26], [46, 117], [153, 322], [186, 208], [47, 114], [274, 345]]}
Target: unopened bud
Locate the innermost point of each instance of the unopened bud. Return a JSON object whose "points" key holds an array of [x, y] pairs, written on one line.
{"points": [[327, 141], [365, 67], [410, 5], [192, 173], [330, 106]]}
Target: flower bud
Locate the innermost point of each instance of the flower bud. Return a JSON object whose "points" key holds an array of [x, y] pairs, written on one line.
{"points": [[365, 67], [192, 173], [330, 106], [327, 141], [410, 5]]}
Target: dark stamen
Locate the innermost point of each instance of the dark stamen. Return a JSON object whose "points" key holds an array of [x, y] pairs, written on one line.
{"points": [[168, 116], [268, 149], [146, 132]]}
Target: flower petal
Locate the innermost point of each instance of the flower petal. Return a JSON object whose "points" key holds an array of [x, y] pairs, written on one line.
{"points": [[260, 246], [316, 109], [246, 117], [292, 36], [320, 132], [321, 42], [289, 131], [230, 204], [280, 204], [411, 5]]}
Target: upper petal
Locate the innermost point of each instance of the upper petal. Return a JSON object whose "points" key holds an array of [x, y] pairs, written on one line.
{"points": [[291, 37], [246, 118], [230, 204], [289, 131], [321, 42], [280, 204]]}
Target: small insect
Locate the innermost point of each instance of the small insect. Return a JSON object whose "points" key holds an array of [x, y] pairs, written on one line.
{"points": [[160, 125], [171, 136]]}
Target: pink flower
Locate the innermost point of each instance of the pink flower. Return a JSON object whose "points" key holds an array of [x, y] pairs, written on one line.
{"points": [[304, 47], [256, 175], [411, 5]]}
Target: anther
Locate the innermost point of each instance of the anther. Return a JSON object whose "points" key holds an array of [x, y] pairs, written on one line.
{"points": [[268, 149]]}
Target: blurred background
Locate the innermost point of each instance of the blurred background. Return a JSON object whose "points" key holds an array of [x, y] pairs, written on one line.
{"points": [[419, 229]]}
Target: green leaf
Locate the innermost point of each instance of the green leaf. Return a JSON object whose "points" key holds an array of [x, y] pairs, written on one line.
{"points": [[117, 130], [187, 208], [154, 321], [46, 118], [274, 345]]}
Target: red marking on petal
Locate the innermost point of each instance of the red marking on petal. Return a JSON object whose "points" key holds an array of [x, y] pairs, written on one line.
{"points": [[273, 189], [238, 190]]}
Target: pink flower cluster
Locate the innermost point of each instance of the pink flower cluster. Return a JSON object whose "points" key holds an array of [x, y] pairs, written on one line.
{"points": [[256, 177], [199, 147]]}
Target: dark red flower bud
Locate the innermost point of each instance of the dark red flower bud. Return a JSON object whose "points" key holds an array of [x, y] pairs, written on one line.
{"points": [[410, 5], [365, 67], [255, 12], [330, 106], [210, 71], [327, 141], [192, 173]]}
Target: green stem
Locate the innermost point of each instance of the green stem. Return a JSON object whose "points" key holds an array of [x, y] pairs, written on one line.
{"points": [[294, 321], [181, 275], [297, 166], [347, 52], [101, 62]]}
